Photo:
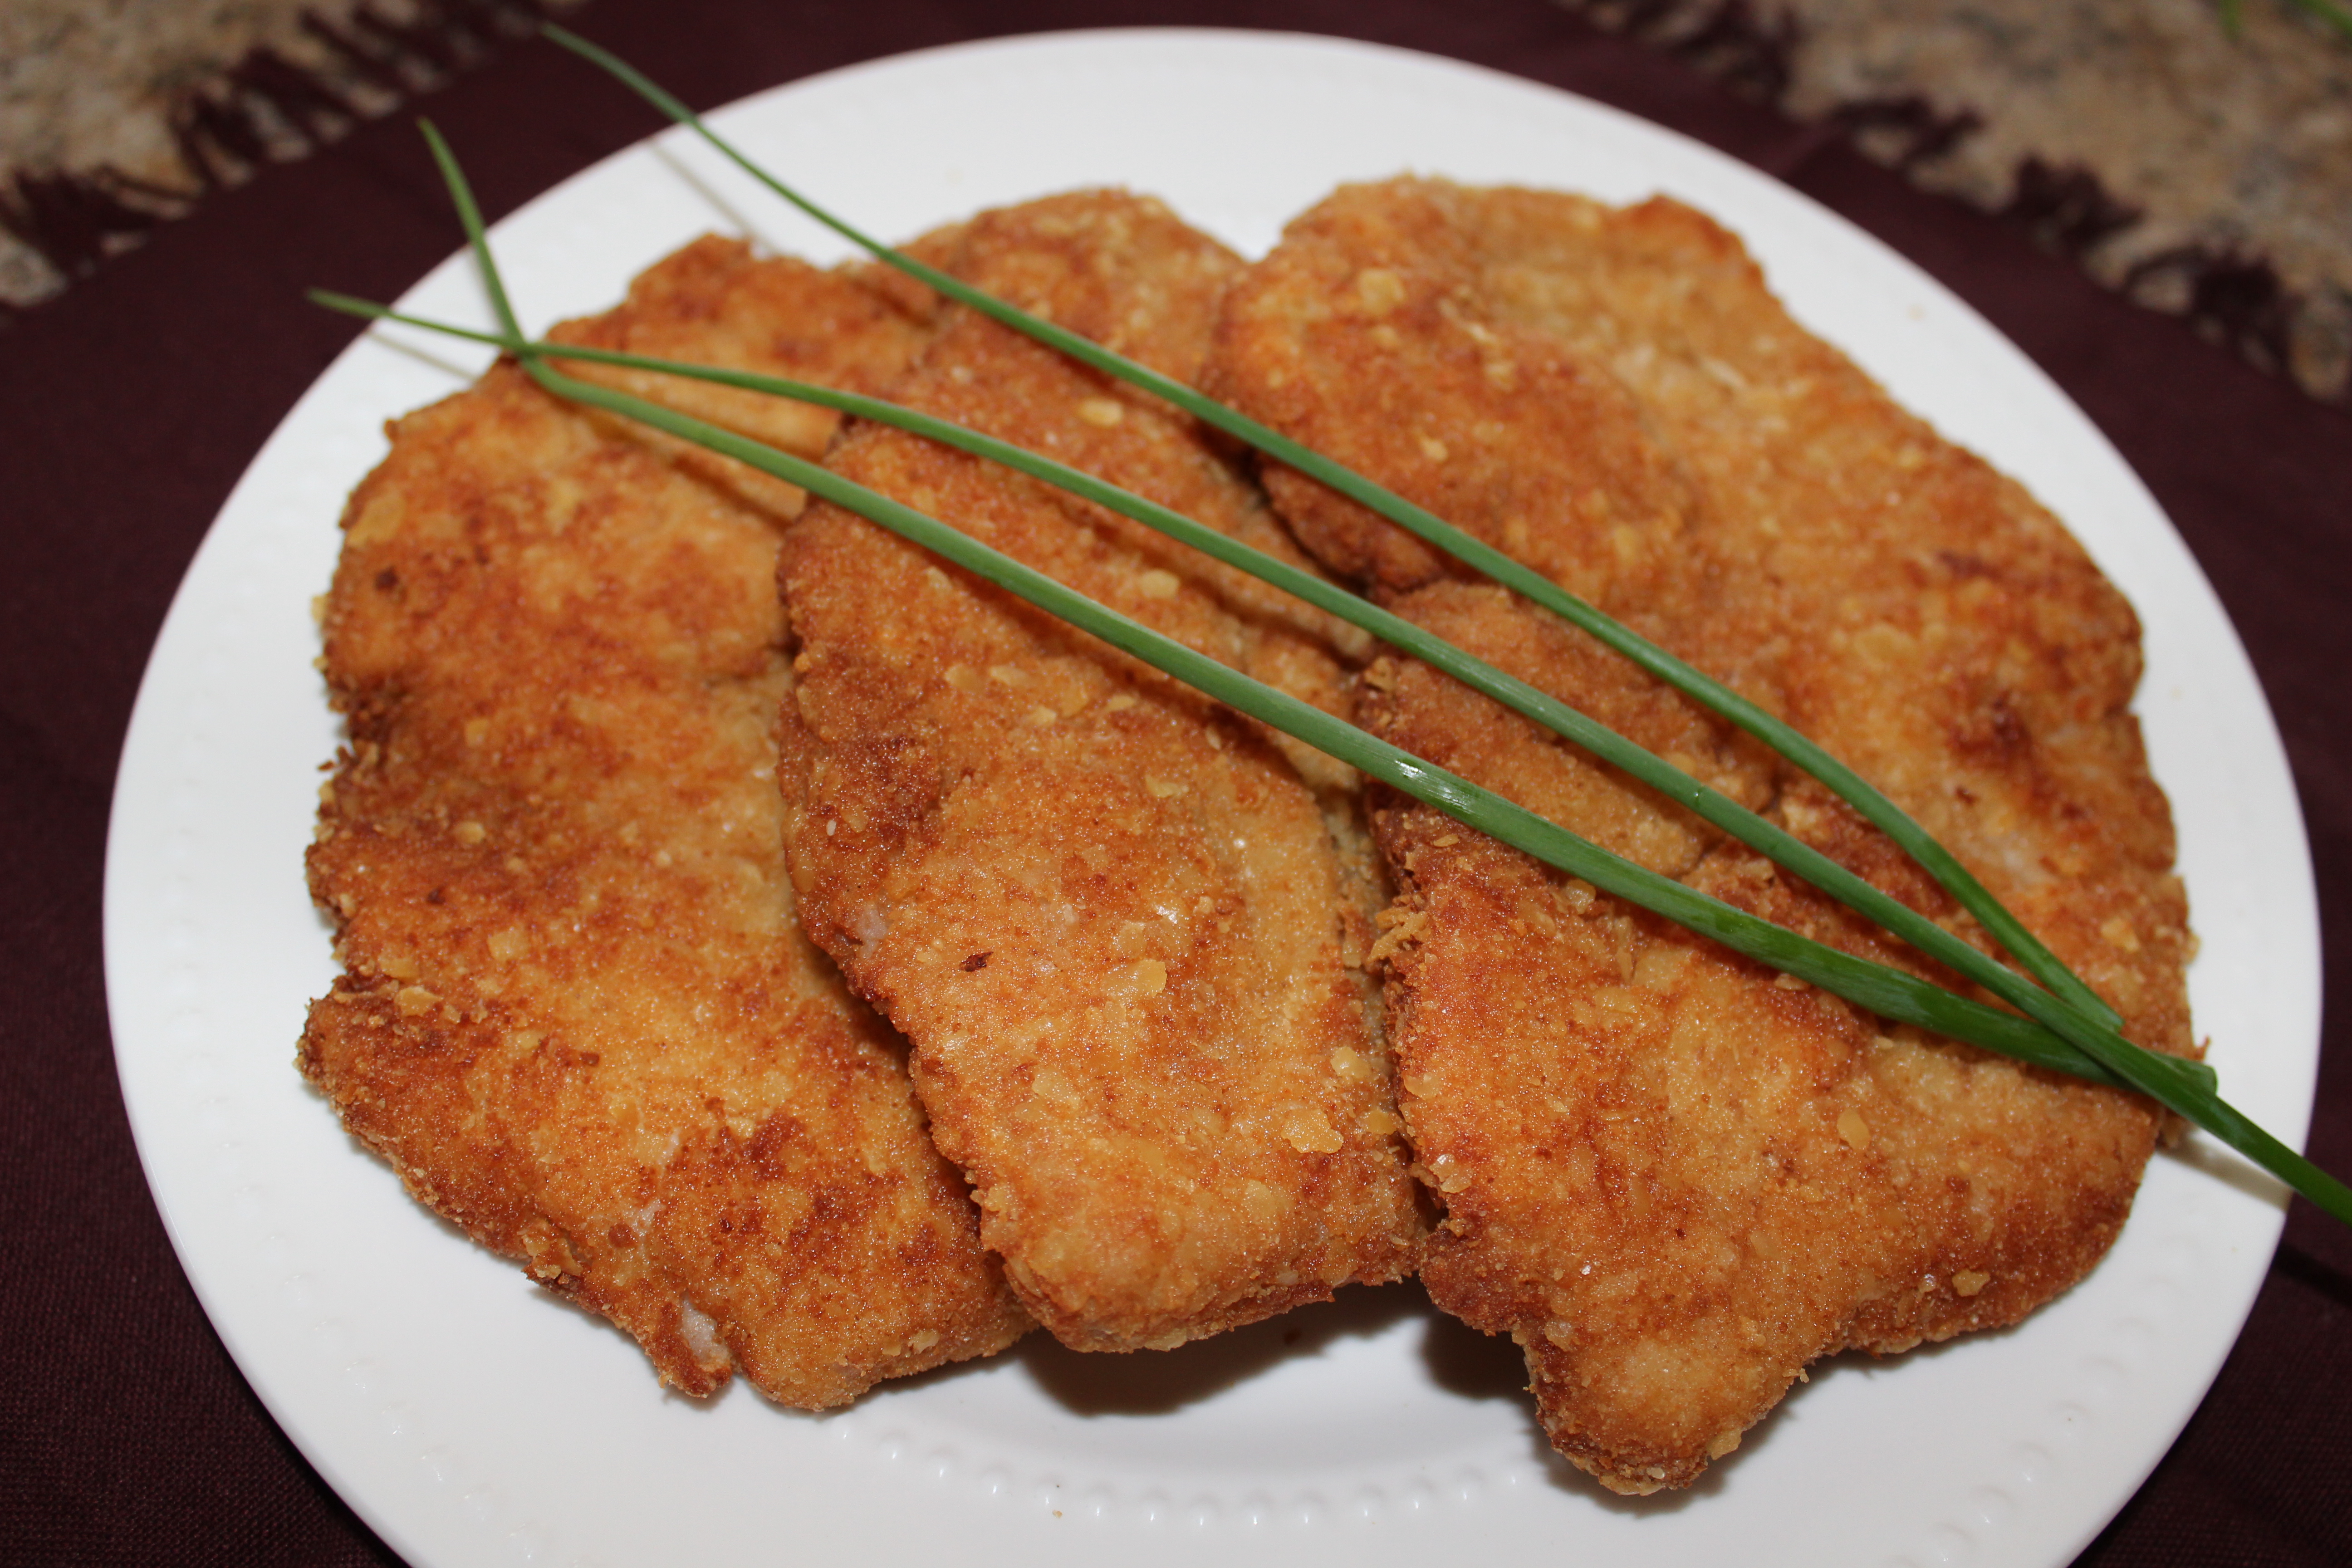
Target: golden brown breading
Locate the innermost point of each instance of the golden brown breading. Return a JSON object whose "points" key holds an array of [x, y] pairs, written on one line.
{"points": [[1908, 606], [1113, 919], [713, 303], [578, 1015], [1675, 1178], [1372, 335]]}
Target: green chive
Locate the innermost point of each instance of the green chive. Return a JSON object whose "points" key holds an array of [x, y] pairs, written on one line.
{"points": [[1890, 993], [1781, 846], [2077, 1013], [1874, 806]]}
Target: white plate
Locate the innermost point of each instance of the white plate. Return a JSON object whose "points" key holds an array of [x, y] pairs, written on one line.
{"points": [[471, 1419]]}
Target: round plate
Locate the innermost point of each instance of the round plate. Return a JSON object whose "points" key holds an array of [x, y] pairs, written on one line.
{"points": [[471, 1418]]}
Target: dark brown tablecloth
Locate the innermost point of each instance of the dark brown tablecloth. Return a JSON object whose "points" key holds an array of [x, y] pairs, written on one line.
{"points": [[128, 407]]}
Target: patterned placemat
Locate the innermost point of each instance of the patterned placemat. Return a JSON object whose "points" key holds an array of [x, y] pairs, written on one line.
{"points": [[120, 115], [2196, 154]]}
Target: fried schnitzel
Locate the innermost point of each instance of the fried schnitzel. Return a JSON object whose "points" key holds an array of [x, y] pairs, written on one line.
{"points": [[1122, 927], [578, 1015], [1674, 1177]]}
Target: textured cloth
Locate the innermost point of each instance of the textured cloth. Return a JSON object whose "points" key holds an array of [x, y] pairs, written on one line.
{"points": [[2196, 156], [128, 407]]}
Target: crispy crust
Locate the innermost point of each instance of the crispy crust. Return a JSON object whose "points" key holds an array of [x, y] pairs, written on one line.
{"points": [[577, 1014], [1122, 928], [1674, 1179], [1372, 335]]}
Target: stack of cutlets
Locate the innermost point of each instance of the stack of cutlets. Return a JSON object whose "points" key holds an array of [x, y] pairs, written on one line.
{"points": [[1132, 945]]}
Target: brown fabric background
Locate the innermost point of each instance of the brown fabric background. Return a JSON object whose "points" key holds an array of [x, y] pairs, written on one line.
{"points": [[128, 407]]}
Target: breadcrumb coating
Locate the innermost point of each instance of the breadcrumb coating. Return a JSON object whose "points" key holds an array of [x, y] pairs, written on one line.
{"points": [[1675, 1177], [577, 1014], [1123, 928]]}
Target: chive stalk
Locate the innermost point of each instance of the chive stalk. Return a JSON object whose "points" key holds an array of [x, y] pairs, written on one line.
{"points": [[1777, 844], [1866, 799], [2075, 1011], [1890, 993]]}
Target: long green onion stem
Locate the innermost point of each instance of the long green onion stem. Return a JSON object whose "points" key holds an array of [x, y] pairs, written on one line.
{"points": [[1782, 847], [1892, 994], [2075, 1012], [1888, 992], [1874, 805]]}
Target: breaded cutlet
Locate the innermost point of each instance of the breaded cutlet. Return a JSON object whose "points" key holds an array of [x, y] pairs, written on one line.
{"points": [[1122, 927], [578, 1015], [1673, 1176]]}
